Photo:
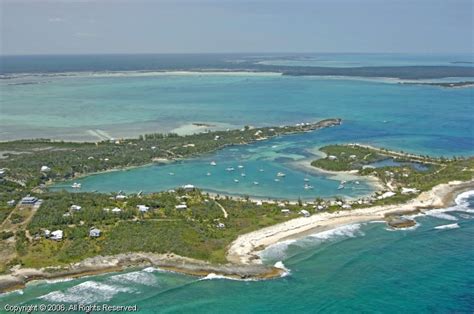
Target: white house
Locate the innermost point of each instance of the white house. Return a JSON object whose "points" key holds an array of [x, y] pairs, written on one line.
{"points": [[346, 206], [120, 197], [258, 203], [94, 232], [181, 206], [116, 210], [28, 200], [332, 157], [45, 169], [285, 211], [76, 207], [143, 208], [11, 203], [386, 195], [56, 235], [409, 190], [305, 213]]}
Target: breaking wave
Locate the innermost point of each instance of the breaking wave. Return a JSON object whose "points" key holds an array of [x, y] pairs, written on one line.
{"points": [[450, 226]]}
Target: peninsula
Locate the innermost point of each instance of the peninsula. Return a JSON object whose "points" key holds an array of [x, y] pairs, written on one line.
{"points": [[60, 234]]}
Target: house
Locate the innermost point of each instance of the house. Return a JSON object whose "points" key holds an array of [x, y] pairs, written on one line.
{"points": [[94, 232], [188, 187], [11, 203], [285, 211], [143, 208], [216, 138], [181, 206], [321, 207], [258, 203], [116, 210], [2, 172], [45, 169], [409, 190], [47, 233], [56, 235], [352, 156], [332, 157], [305, 213], [346, 206], [28, 200], [120, 197], [76, 207], [386, 195]]}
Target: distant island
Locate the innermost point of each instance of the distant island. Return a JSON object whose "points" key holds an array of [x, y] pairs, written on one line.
{"points": [[48, 234], [442, 84]]}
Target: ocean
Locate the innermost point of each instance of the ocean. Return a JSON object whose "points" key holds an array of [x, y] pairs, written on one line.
{"points": [[362, 268], [355, 268]]}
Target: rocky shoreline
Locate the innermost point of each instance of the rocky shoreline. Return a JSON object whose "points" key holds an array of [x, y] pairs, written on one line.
{"points": [[116, 263], [244, 262]]}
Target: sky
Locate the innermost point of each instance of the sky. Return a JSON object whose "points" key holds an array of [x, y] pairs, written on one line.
{"points": [[202, 26]]}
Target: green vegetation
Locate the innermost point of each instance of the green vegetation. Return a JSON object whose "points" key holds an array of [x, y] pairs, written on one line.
{"points": [[395, 178], [193, 232], [67, 160]]}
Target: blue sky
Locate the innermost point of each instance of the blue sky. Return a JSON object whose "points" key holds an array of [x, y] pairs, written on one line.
{"points": [[145, 26]]}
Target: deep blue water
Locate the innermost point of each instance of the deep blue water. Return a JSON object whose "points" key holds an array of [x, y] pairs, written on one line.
{"points": [[356, 268], [361, 268]]}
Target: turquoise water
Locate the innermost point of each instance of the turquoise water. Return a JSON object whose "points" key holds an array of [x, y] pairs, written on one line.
{"points": [[355, 268], [419, 119]]}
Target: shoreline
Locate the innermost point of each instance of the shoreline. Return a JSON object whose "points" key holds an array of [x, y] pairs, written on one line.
{"points": [[245, 248], [244, 263]]}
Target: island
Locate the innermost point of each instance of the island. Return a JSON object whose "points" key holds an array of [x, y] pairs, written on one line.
{"points": [[47, 234]]}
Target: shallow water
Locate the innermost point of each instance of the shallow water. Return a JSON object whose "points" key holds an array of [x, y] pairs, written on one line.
{"points": [[354, 268]]}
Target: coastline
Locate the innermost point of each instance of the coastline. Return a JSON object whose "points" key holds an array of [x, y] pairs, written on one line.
{"points": [[244, 262], [245, 248]]}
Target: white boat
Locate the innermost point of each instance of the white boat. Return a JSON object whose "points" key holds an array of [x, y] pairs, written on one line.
{"points": [[306, 180], [242, 174], [240, 166], [308, 187], [340, 187], [213, 163], [343, 182], [236, 180], [277, 180], [280, 174], [76, 185], [171, 173], [255, 182], [229, 169], [357, 182], [208, 174], [261, 170]]}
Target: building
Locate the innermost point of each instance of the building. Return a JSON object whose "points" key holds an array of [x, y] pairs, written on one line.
{"points": [[94, 232], [120, 197], [305, 213], [11, 203], [45, 169], [56, 235], [29, 200], [2, 172], [116, 210], [76, 207], [143, 208], [332, 157], [285, 211], [181, 206]]}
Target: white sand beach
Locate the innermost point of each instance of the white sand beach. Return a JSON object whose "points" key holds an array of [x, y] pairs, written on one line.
{"points": [[245, 248]]}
